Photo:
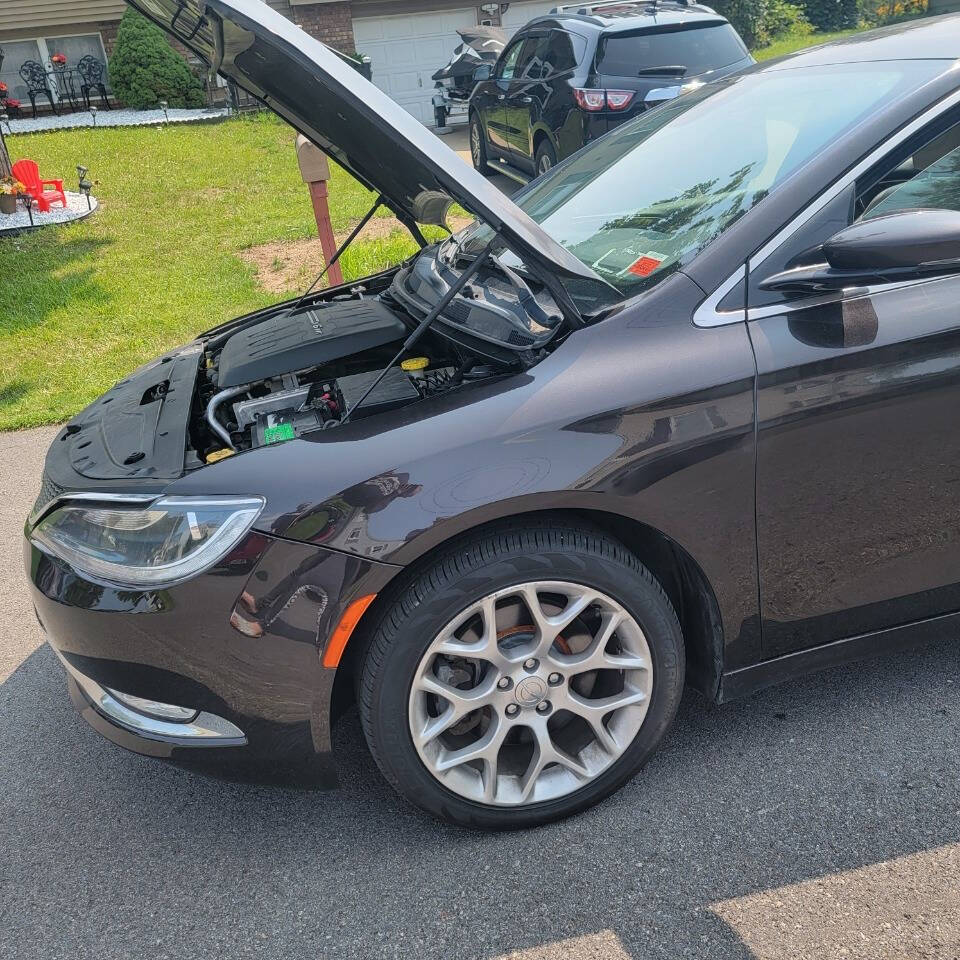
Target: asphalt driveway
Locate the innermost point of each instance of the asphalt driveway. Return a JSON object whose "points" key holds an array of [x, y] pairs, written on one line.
{"points": [[818, 819]]}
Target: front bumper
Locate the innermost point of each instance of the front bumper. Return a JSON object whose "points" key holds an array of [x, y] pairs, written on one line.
{"points": [[240, 644]]}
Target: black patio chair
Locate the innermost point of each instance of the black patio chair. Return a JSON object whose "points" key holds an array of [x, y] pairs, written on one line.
{"points": [[38, 85], [91, 78]]}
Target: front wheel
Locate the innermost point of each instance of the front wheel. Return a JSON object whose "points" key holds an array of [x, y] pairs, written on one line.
{"points": [[521, 678], [478, 144]]}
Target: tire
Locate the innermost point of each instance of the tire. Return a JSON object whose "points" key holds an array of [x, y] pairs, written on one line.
{"points": [[581, 564], [478, 144], [545, 157]]}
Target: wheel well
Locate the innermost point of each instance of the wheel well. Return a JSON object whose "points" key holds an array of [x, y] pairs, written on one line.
{"points": [[538, 138], [679, 575]]}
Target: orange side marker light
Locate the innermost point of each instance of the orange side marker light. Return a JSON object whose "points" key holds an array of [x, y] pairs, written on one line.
{"points": [[346, 626]]}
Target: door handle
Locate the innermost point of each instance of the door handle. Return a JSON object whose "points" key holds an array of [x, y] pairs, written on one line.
{"points": [[502, 96], [526, 99]]}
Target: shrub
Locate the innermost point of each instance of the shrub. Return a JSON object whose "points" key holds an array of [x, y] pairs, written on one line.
{"points": [[781, 17], [877, 12], [832, 14], [145, 69], [759, 21]]}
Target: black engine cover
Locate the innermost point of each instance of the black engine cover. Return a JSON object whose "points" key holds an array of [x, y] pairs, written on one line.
{"points": [[308, 338]]}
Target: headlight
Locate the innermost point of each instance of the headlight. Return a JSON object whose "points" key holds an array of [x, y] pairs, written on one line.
{"points": [[170, 540]]}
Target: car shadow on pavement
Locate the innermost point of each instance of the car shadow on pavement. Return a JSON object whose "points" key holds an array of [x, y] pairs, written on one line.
{"points": [[110, 854]]}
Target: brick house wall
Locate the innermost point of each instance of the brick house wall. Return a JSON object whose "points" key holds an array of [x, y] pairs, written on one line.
{"points": [[331, 23]]}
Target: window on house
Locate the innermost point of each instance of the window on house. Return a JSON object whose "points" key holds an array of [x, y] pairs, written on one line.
{"points": [[15, 54], [18, 52]]}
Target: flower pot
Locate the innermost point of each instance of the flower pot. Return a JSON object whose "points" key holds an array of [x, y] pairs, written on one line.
{"points": [[8, 203]]}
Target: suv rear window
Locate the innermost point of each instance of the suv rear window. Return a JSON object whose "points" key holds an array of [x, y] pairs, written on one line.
{"points": [[699, 49]]}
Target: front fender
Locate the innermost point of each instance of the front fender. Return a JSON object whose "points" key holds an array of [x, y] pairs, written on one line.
{"points": [[643, 416]]}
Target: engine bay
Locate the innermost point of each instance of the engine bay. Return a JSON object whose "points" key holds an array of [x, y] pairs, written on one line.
{"points": [[285, 373], [336, 356]]}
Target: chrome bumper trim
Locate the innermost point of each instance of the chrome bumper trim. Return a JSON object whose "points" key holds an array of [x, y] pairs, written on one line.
{"points": [[206, 729]]}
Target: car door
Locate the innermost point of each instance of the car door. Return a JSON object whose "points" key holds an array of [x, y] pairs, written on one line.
{"points": [[525, 96], [491, 101], [858, 431]]}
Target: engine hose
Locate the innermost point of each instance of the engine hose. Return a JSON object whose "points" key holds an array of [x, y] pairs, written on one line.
{"points": [[215, 402]]}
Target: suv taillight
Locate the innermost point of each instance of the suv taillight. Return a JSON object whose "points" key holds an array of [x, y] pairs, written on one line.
{"points": [[590, 100], [595, 100]]}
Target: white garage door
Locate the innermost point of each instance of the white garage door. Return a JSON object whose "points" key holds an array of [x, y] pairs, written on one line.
{"points": [[407, 50], [520, 14]]}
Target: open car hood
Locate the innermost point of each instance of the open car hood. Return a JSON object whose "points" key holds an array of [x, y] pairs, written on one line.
{"points": [[350, 119]]}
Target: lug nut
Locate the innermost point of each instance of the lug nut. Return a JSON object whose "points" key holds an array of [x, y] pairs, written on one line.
{"points": [[504, 683], [554, 679], [530, 664], [543, 706], [512, 710]]}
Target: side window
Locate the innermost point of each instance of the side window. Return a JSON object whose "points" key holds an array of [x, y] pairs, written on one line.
{"points": [[532, 64], [937, 187], [508, 62], [564, 51], [923, 172]]}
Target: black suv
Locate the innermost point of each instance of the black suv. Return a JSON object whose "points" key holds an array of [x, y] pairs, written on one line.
{"points": [[569, 77]]}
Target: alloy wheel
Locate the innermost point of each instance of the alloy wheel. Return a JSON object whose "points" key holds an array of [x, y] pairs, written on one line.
{"points": [[475, 146], [530, 693]]}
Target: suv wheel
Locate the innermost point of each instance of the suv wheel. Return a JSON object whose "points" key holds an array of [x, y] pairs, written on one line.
{"points": [[546, 157], [522, 677], [478, 145]]}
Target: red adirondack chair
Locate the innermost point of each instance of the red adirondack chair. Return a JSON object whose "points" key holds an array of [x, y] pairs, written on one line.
{"points": [[28, 173]]}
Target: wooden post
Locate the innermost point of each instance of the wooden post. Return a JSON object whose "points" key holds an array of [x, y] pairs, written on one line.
{"points": [[315, 170], [5, 165]]}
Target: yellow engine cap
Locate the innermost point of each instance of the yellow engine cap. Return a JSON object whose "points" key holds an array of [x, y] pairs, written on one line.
{"points": [[415, 364], [220, 455]]}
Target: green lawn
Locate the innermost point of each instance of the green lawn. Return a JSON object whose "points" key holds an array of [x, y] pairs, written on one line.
{"points": [[81, 306], [798, 42]]}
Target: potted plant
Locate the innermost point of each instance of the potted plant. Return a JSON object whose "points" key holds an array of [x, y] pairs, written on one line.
{"points": [[59, 61], [11, 106], [10, 189]]}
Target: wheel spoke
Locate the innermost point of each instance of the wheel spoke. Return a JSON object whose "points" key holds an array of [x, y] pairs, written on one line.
{"points": [[460, 703], [486, 749], [482, 648], [550, 626], [596, 657], [545, 752], [586, 707]]}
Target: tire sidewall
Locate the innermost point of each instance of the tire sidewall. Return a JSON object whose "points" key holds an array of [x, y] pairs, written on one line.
{"points": [[389, 716], [478, 163], [545, 148]]}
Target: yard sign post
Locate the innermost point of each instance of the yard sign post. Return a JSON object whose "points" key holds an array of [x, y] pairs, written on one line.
{"points": [[315, 170], [5, 167]]}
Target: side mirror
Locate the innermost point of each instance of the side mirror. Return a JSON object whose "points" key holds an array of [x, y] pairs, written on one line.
{"points": [[483, 72], [906, 245]]}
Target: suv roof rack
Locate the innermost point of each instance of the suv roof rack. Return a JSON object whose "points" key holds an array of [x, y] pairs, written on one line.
{"points": [[644, 6]]}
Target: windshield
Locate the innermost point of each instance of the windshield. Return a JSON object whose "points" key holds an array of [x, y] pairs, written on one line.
{"points": [[705, 47], [648, 197]]}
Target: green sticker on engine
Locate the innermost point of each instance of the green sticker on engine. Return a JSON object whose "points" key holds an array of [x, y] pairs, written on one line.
{"points": [[279, 433]]}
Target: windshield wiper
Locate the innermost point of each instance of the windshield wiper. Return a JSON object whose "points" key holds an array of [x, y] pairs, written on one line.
{"points": [[677, 70]]}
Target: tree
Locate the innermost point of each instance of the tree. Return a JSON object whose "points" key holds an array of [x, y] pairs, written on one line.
{"points": [[145, 69]]}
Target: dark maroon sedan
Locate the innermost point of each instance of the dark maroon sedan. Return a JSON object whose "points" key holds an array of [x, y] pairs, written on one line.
{"points": [[684, 410]]}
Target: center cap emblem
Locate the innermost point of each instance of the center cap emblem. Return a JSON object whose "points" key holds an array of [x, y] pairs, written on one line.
{"points": [[530, 691]]}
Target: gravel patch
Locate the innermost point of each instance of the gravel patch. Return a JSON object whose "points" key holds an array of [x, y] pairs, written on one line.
{"points": [[76, 209], [114, 118]]}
